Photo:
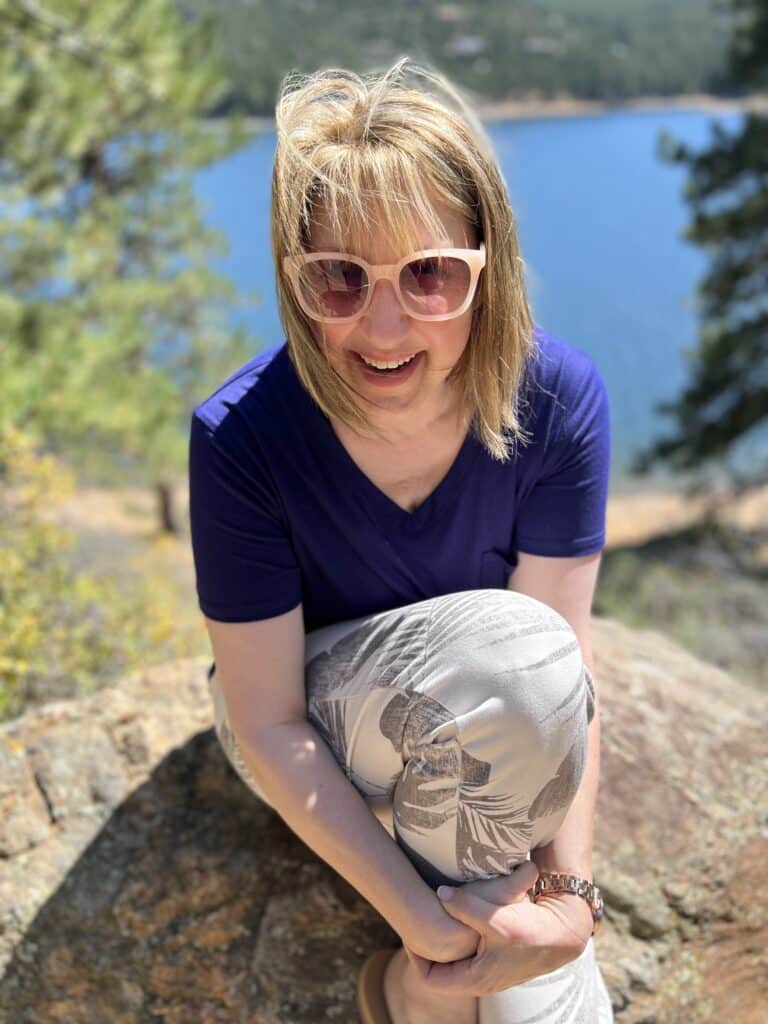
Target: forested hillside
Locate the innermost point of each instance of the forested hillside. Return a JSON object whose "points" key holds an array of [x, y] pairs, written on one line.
{"points": [[597, 49]]}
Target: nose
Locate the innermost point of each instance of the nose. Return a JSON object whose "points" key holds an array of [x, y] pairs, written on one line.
{"points": [[385, 316]]}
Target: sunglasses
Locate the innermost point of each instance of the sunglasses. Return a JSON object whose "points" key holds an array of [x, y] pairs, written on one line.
{"points": [[432, 284]]}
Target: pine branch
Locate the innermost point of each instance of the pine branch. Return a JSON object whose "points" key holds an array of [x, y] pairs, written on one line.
{"points": [[98, 51]]}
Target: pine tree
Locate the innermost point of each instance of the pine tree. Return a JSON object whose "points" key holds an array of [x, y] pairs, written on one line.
{"points": [[726, 396], [112, 323]]}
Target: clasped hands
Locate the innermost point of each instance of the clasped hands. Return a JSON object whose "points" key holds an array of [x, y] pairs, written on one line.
{"points": [[514, 938]]}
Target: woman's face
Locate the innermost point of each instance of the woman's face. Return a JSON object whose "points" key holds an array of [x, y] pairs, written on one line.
{"points": [[387, 332]]}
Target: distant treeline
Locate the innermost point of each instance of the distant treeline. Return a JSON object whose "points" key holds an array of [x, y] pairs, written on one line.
{"points": [[596, 49]]}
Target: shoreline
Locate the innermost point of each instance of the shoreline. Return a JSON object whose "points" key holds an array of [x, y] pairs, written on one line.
{"points": [[527, 108], [532, 107]]}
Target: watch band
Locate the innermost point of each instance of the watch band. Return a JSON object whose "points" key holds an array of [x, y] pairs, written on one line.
{"points": [[558, 881]]}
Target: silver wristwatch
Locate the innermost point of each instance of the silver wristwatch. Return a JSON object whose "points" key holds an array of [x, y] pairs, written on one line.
{"points": [[557, 881]]}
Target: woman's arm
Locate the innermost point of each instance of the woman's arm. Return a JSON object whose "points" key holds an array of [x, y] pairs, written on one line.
{"points": [[260, 669], [301, 779]]}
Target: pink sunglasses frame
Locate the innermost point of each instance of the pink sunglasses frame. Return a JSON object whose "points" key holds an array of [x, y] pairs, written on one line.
{"points": [[474, 258]]}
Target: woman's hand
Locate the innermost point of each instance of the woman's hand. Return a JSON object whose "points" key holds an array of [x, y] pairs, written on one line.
{"points": [[450, 940], [519, 939], [441, 939]]}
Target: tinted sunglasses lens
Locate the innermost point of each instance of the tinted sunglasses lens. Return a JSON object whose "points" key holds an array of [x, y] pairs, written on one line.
{"points": [[436, 285], [333, 288]]}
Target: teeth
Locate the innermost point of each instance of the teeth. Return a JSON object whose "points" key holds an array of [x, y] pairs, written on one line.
{"points": [[387, 365]]}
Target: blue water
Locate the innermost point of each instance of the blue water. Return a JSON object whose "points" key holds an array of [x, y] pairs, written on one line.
{"points": [[600, 220]]}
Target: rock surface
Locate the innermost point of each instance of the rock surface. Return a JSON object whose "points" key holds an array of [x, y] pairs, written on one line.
{"points": [[140, 879]]}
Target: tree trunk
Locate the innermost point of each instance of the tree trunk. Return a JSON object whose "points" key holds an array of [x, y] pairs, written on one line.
{"points": [[168, 522]]}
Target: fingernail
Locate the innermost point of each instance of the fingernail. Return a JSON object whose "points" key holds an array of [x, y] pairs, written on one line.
{"points": [[445, 892]]}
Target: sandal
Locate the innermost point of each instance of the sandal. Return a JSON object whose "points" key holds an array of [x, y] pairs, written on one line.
{"points": [[370, 988]]}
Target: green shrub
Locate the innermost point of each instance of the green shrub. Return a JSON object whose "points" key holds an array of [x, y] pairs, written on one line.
{"points": [[67, 629]]}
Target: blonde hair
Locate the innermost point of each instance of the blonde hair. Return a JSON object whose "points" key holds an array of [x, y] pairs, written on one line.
{"points": [[374, 145]]}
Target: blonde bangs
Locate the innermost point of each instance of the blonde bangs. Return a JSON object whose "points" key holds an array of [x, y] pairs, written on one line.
{"points": [[377, 190]]}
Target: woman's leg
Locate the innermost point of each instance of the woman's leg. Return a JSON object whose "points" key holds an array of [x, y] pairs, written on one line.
{"points": [[463, 720]]}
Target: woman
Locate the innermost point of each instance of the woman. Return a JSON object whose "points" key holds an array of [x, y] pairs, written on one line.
{"points": [[397, 519]]}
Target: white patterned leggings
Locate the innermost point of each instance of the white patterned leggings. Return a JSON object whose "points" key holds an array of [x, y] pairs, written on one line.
{"points": [[462, 719]]}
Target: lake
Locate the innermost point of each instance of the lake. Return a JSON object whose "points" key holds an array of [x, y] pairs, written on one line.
{"points": [[600, 219]]}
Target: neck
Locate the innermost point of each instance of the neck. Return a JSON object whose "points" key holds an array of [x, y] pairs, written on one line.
{"points": [[400, 428]]}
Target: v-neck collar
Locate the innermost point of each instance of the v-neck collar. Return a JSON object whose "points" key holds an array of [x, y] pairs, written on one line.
{"points": [[387, 512]]}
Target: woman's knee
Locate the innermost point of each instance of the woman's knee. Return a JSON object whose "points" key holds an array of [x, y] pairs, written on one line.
{"points": [[500, 732], [506, 660]]}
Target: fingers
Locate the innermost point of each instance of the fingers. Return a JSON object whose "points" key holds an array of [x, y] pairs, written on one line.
{"points": [[420, 964], [458, 978], [506, 888], [485, 917]]}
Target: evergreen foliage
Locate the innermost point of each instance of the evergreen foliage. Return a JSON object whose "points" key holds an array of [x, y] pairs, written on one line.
{"points": [[110, 316], [726, 397], [111, 321]]}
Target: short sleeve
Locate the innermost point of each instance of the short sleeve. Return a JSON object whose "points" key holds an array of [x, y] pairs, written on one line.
{"points": [[245, 565], [564, 513]]}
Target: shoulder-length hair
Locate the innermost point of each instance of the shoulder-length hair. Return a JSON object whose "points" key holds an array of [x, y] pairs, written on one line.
{"points": [[375, 150]]}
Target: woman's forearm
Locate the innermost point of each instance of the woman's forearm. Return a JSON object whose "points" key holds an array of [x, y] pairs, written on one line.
{"points": [[301, 779]]}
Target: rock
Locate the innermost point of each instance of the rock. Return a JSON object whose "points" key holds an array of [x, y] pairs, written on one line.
{"points": [[650, 918], [649, 913], [140, 879], [23, 811], [643, 971], [76, 765]]}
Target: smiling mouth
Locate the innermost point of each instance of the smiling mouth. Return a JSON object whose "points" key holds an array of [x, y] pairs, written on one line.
{"points": [[386, 370]]}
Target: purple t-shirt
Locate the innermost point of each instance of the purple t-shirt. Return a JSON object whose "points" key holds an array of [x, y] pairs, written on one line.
{"points": [[281, 514]]}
